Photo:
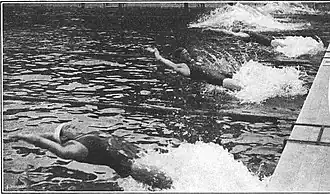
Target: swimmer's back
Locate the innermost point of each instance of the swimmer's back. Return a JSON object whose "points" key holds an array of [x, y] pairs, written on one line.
{"points": [[205, 73], [259, 38], [111, 151]]}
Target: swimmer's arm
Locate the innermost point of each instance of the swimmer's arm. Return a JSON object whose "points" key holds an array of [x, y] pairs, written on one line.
{"points": [[181, 68], [162, 59], [66, 152], [49, 136], [167, 62]]}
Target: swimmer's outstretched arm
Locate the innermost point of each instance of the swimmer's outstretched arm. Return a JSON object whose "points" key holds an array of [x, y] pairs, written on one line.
{"points": [[69, 151], [181, 68], [162, 59], [49, 136]]}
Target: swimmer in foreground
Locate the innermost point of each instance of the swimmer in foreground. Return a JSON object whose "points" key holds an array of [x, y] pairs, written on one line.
{"points": [[97, 148], [249, 36], [188, 67]]}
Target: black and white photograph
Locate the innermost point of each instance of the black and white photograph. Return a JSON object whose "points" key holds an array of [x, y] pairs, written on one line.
{"points": [[165, 96]]}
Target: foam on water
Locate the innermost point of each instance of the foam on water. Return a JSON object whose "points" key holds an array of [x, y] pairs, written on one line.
{"points": [[249, 18], [286, 8], [295, 46], [129, 184], [201, 167], [262, 82]]}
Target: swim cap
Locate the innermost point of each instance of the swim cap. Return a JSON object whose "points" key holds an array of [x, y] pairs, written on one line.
{"points": [[57, 133]]}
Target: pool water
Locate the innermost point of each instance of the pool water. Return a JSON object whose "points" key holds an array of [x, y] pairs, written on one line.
{"points": [[197, 133]]}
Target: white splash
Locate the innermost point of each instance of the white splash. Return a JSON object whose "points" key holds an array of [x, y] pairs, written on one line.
{"points": [[246, 16], [294, 46], [129, 184], [287, 8], [203, 167], [262, 82]]}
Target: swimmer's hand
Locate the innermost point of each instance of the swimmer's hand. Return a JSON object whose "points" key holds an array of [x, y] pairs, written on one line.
{"points": [[13, 138], [152, 50], [155, 51], [25, 137]]}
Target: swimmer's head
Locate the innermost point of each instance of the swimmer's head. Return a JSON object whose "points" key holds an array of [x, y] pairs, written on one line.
{"points": [[237, 24], [236, 29], [182, 55], [65, 132]]}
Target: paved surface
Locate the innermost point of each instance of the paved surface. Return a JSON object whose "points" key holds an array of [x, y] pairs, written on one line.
{"points": [[305, 162]]}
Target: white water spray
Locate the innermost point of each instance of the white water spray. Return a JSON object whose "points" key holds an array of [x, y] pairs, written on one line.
{"points": [[202, 167], [295, 46], [262, 82], [287, 8], [247, 17]]}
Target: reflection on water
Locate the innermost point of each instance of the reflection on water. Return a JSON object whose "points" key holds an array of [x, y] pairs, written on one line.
{"points": [[95, 56]]}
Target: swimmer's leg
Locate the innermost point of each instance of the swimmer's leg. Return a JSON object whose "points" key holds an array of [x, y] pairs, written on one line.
{"points": [[150, 175], [231, 84], [277, 43]]}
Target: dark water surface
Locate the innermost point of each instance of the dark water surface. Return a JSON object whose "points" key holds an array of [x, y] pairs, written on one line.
{"points": [[97, 56]]}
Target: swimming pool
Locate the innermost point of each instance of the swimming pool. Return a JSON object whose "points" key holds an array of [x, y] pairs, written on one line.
{"points": [[95, 56]]}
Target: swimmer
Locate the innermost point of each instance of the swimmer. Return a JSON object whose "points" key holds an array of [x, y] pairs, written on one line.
{"points": [[188, 67], [97, 148], [249, 36]]}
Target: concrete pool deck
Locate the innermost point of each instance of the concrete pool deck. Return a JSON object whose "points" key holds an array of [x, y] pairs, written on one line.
{"points": [[305, 161]]}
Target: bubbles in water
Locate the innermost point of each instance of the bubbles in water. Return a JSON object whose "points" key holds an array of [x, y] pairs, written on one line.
{"points": [[294, 46], [203, 167], [246, 16], [262, 82]]}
